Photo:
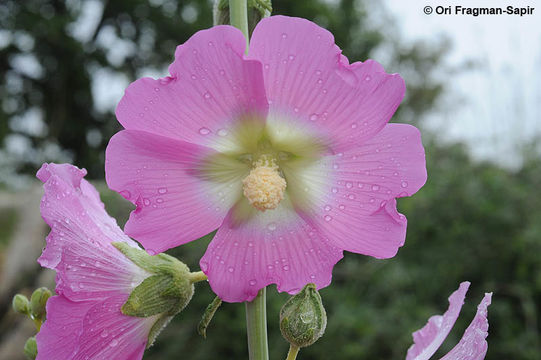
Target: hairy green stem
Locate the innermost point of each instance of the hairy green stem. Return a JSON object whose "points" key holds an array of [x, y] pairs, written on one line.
{"points": [[238, 15], [256, 327], [293, 351], [197, 276]]}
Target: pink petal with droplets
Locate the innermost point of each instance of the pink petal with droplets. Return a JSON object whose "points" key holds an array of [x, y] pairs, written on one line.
{"points": [[428, 339], [90, 270], [309, 82], [473, 345], [108, 334], [379, 234], [72, 208], [354, 202], [272, 247], [176, 201], [210, 87], [59, 335]]}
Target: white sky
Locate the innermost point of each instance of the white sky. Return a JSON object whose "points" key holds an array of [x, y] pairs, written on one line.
{"points": [[497, 106]]}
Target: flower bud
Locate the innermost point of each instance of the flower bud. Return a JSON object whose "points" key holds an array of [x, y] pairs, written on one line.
{"points": [[31, 348], [303, 318], [38, 300], [21, 304]]}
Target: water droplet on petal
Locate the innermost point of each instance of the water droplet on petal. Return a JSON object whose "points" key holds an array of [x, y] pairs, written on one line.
{"points": [[313, 117], [334, 190], [204, 265], [328, 208], [230, 269], [204, 131], [284, 36], [104, 333], [328, 218], [222, 132], [162, 190], [252, 282], [113, 343], [271, 226], [404, 184], [207, 95]]}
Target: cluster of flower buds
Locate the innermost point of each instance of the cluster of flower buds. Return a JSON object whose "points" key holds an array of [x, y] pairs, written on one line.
{"points": [[35, 309]]}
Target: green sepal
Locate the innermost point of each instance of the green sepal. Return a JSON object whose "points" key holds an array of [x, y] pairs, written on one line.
{"points": [[159, 294], [303, 318], [207, 316], [157, 328], [157, 264], [31, 348]]}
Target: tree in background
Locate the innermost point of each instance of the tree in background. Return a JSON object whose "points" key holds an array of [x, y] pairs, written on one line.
{"points": [[56, 57]]}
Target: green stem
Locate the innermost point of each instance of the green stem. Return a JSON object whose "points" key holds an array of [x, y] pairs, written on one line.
{"points": [[293, 351], [197, 276], [238, 15], [256, 327]]}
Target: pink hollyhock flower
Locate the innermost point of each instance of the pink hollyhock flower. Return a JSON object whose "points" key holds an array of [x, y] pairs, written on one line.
{"points": [[93, 280], [286, 150], [472, 346]]}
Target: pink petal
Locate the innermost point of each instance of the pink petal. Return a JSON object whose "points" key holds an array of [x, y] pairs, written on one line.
{"points": [[309, 82], [473, 345], [274, 247], [73, 210], [108, 334], [378, 235], [391, 164], [90, 270], [59, 335], [211, 86], [176, 202], [428, 339], [356, 190]]}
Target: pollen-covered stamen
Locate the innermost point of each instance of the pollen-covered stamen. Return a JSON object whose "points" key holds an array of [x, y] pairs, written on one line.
{"points": [[264, 187]]}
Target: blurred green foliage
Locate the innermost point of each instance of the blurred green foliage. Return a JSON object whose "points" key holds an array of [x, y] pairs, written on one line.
{"points": [[471, 221]]}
